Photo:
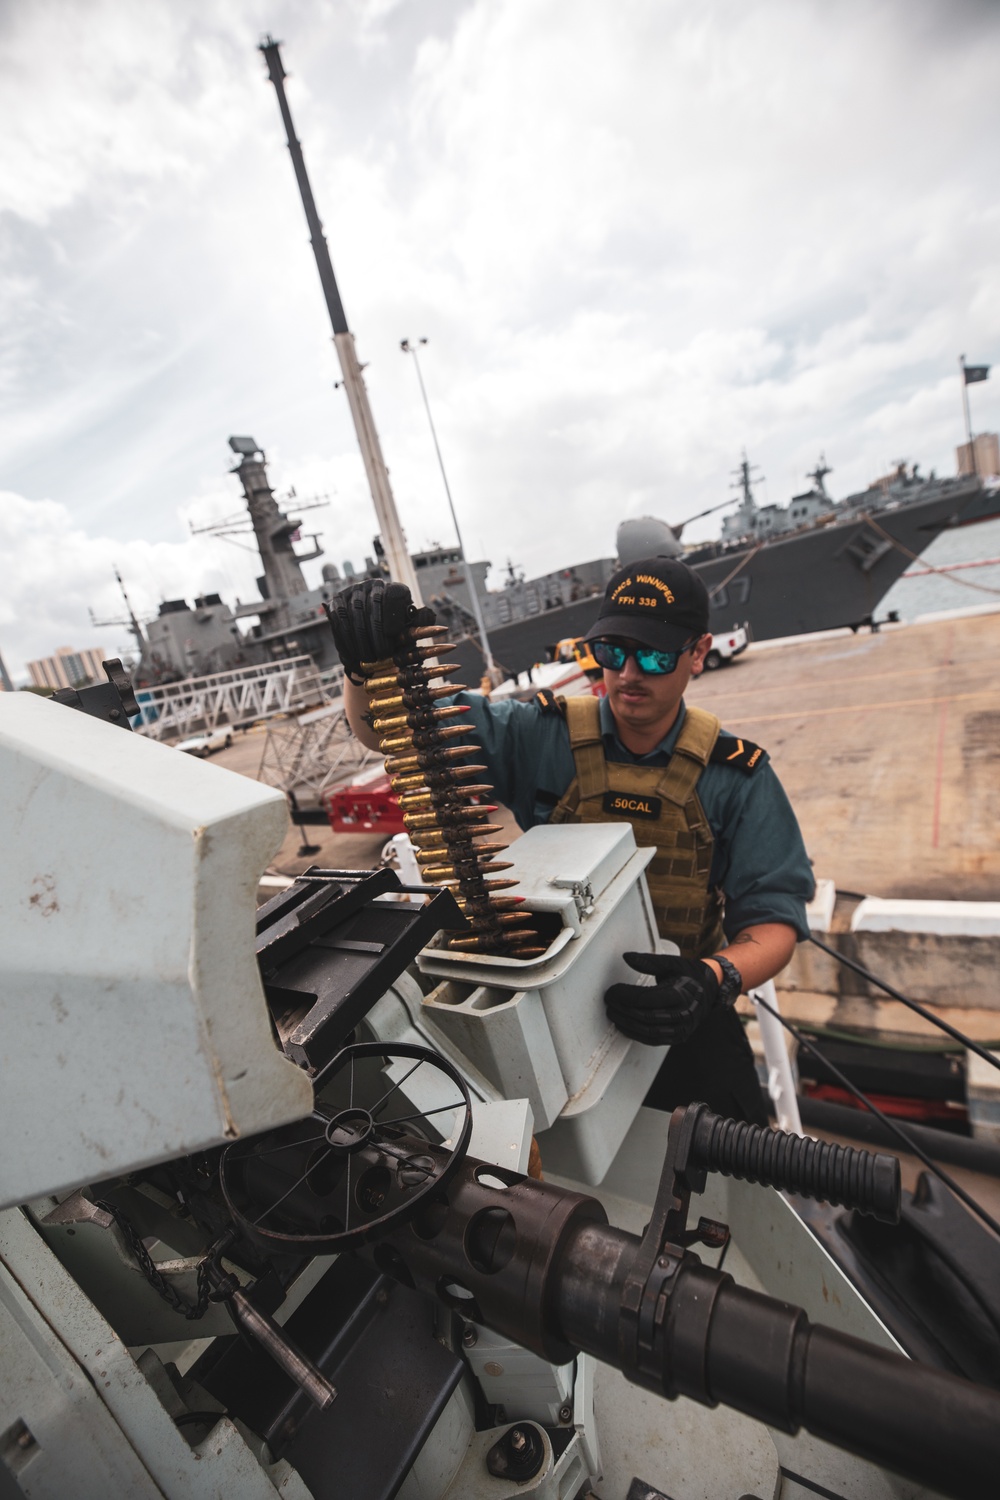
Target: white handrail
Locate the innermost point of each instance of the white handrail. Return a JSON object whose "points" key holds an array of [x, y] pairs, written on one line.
{"points": [[780, 1079]]}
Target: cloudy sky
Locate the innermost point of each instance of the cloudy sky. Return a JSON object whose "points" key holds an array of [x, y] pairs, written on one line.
{"points": [[639, 236]]}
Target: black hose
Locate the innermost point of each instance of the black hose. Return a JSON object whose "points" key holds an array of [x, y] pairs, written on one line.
{"points": [[909, 1144], [942, 1145], [864, 1180]]}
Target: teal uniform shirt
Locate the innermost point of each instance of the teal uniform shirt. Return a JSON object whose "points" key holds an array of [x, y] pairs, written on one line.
{"points": [[758, 859]]}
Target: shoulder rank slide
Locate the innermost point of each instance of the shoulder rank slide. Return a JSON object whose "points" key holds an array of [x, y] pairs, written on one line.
{"points": [[744, 755], [548, 703]]}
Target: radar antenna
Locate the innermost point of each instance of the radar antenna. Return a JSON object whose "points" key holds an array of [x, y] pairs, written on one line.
{"points": [[239, 524]]}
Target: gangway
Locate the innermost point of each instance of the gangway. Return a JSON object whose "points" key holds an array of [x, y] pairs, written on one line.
{"points": [[239, 697]]}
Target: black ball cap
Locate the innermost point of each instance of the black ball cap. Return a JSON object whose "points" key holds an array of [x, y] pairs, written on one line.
{"points": [[658, 601]]}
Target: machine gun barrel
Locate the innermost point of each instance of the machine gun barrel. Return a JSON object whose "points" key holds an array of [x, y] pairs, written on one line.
{"points": [[717, 1342], [541, 1265]]}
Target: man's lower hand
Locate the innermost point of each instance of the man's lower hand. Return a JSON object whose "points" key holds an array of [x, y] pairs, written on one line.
{"points": [[669, 1010], [369, 621]]}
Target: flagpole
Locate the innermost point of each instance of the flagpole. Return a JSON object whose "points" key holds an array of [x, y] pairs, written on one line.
{"points": [[968, 418]]}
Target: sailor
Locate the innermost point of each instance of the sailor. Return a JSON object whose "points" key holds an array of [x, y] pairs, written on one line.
{"points": [[730, 878]]}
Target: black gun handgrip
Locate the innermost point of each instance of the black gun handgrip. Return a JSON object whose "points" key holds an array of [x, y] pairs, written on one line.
{"points": [[865, 1180]]}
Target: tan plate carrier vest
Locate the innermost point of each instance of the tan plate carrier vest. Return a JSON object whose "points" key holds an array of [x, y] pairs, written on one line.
{"points": [[687, 909]]}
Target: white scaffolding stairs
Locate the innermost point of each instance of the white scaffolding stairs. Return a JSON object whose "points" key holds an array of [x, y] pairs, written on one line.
{"points": [[239, 697], [312, 750]]}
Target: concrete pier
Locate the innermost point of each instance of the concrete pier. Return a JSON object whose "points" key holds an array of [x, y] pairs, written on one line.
{"points": [[888, 745]]}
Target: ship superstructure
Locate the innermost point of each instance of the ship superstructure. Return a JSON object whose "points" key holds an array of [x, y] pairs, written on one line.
{"points": [[191, 640], [759, 522], [815, 564], [290, 616]]}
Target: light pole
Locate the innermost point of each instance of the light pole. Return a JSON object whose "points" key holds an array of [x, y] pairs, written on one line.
{"points": [[409, 348]]}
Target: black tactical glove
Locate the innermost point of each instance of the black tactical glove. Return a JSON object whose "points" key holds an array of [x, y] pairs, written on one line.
{"points": [[368, 621], [669, 1010]]}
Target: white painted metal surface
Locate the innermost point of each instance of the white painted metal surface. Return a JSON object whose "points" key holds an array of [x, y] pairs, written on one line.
{"points": [[539, 1028], [945, 918], [519, 1381], [60, 1439], [819, 912], [133, 1026], [679, 1447], [982, 1088], [780, 1078], [406, 859], [80, 1384]]}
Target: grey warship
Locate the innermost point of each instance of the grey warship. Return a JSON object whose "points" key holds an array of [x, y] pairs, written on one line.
{"points": [[815, 564]]}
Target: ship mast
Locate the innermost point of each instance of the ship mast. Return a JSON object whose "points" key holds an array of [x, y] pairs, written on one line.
{"points": [[400, 565], [282, 579], [130, 620], [818, 475], [743, 483]]}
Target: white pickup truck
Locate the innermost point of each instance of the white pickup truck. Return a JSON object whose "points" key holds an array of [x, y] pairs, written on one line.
{"points": [[724, 647], [202, 745]]}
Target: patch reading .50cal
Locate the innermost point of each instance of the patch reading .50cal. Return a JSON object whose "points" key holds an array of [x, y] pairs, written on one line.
{"points": [[631, 805]]}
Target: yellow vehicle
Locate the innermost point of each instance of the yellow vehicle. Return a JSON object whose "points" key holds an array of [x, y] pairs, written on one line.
{"points": [[575, 648]]}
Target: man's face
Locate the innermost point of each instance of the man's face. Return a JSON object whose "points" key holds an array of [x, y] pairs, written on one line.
{"points": [[643, 702]]}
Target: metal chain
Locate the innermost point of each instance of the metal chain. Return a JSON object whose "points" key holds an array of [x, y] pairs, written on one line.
{"points": [[148, 1267]]}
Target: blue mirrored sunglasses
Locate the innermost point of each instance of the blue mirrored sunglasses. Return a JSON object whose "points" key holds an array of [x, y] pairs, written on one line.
{"points": [[612, 655]]}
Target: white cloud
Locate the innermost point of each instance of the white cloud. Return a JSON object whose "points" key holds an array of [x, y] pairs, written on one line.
{"points": [[638, 238], [61, 571]]}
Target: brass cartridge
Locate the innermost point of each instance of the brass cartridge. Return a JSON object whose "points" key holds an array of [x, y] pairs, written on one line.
{"points": [[440, 758], [436, 715], [435, 796], [453, 776], [421, 739], [418, 698], [442, 817], [411, 677]]}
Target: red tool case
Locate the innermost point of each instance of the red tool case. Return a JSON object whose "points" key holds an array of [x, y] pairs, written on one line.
{"points": [[368, 805]]}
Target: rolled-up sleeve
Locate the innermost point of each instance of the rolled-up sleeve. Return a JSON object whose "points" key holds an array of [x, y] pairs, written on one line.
{"points": [[759, 860], [526, 751]]}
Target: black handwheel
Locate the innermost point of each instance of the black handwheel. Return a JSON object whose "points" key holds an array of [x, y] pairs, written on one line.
{"points": [[349, 1173]]}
